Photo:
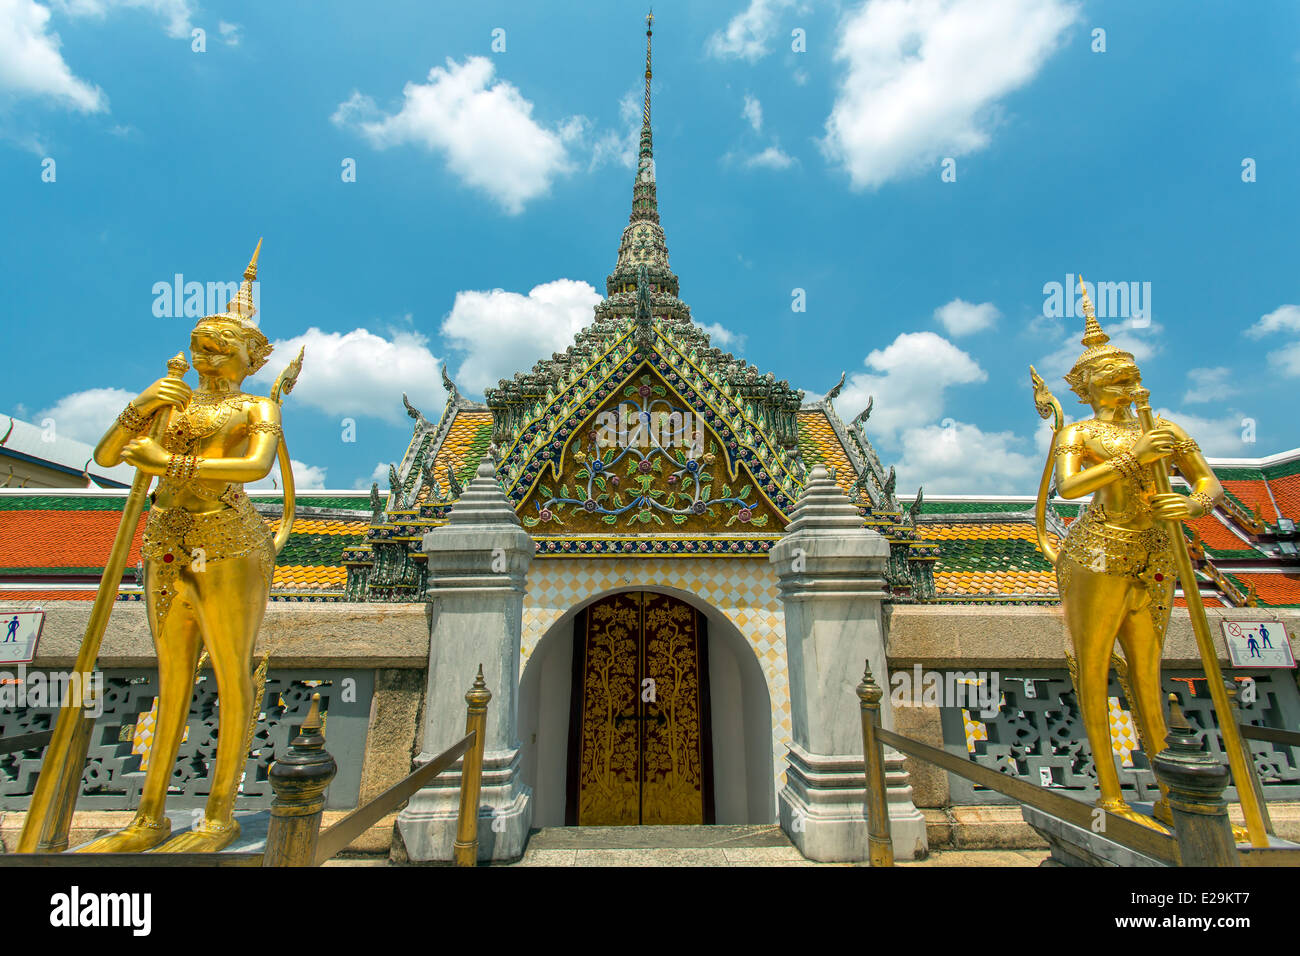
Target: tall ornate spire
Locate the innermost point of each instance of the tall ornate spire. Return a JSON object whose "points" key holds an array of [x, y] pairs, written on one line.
{"points": [[643, 245], [645, 204]]}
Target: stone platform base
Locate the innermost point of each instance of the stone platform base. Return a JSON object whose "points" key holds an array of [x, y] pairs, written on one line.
{"points": [[91, 824], [1075, 846]]}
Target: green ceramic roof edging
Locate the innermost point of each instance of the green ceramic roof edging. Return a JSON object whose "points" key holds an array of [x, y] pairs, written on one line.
{"points": [[56, 502], [989, 555], [477, 449], [1284, 470], [74, 502], [317, 550]]}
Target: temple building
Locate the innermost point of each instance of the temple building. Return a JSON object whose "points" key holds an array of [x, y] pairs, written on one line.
{"points": [[672, 568]]}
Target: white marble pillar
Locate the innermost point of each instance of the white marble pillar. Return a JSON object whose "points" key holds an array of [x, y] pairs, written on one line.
{"points": [[831, 570], [478, 563]]}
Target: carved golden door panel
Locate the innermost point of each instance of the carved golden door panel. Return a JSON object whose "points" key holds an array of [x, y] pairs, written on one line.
{"points": [[639, 747]]}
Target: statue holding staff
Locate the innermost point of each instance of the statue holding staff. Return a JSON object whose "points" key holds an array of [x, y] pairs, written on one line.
{"points": [[208, 556], [1117, 565]]}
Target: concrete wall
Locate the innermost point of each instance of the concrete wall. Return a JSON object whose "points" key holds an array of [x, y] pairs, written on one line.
{"points": [[393, 640]]}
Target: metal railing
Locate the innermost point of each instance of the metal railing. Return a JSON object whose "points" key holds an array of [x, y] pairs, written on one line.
{"points": [[1202, 832], [299, 780]]}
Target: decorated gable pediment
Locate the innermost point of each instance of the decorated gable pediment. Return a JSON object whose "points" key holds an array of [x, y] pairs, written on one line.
{"points": [[646, 460]]}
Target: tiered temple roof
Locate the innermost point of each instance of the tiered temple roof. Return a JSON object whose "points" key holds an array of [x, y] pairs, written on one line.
{"points": [[641, 438], [53, 543]]}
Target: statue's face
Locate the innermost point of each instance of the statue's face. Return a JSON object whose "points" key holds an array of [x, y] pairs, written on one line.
{"points": [[220, 348], [1112, 381]]}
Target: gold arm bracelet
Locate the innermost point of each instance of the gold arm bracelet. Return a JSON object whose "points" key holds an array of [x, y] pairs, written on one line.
{"points": [[1204, 500], [1127, 466], [131, 419], [269, 427], [183, 466]]}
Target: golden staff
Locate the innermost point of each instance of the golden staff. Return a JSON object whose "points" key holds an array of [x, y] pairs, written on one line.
{"points": [[48, 817], [1205, 643]]}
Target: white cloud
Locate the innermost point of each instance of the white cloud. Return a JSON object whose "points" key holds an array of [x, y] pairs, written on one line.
{"points": [[1131, 335], [923, 78], [1218, 437], [359, 373], [753, 113], [960, 317], [504, 332], [1286, 359], [748, 33], [617, 147], [231, 33], [941, 458], [482, 127], [31, 64], [770, 158], [379, 474], [86, 415], [908, 381], [177, 13], [1285, 318], [724, 338], [1208, 385], [305, 478]]}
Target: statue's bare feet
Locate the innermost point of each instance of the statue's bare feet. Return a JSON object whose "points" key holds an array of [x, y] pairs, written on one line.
{"points": [[1122, 809], [139, 835], [1240, 834], [207, 837]]}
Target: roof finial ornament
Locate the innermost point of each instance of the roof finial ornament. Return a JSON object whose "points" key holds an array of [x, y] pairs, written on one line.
{"points": [[644, 202]]}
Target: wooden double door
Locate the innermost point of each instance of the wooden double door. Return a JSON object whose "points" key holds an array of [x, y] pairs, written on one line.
{"points": [[639, 735]]}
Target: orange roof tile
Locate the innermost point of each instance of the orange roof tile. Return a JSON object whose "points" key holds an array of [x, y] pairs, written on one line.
{"points": [[1215, 534], [980, 532], [301, 577], [818, 437], [324, 526], [1273, 589], [61, 539], [1253, 494], [1206, 600], [58, 595], [464, 441], [1287, 492], [995, 582]]}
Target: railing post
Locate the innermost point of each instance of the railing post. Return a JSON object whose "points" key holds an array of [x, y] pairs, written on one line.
{"points": [[1196, 783], [880, 844], [299, 780], [465, 851], [1248, 755]]}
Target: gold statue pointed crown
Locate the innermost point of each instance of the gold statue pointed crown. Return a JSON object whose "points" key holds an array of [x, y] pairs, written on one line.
{"points": [[240, 311], [1096, 345]]}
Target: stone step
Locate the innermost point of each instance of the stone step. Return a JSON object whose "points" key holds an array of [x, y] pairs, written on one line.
{"points": [[657, 837]]}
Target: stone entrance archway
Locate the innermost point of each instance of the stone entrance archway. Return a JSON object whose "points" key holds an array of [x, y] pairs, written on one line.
{"points": [[740, 713]]}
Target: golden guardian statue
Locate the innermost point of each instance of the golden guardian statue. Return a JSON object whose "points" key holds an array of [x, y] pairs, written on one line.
{"points": [[208, 564], [1119, 561]]}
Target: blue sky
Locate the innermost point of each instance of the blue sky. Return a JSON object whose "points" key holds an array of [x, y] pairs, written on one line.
{"points": [[492, 186]]}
